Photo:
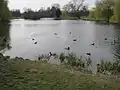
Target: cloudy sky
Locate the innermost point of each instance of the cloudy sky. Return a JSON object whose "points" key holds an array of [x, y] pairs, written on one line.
{"points": [[36, 4]]}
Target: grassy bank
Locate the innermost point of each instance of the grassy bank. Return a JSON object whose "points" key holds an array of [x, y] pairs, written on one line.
{"points": [[20, 74], [112, 21]]}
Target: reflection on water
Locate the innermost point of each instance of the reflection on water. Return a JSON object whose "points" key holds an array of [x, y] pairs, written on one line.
{"points": [[29, 39], [4, 37]]}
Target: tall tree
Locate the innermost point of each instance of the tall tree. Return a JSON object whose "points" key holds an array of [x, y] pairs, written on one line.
{"points": [[75, 6], [117, 10], [56, 12], [107, 9], [104, 9], [98, 10], [4, 11]]}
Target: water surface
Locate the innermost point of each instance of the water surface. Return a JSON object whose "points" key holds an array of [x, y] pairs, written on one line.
{"points": [[53, 36]]}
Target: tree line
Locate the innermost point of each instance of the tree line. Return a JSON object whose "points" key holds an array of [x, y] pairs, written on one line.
{"points": [[108, 10], [53, 12], [70, 10]]}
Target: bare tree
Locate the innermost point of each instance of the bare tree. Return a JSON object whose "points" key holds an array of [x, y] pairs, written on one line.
{"points": [[56, 5], [74, 6]]}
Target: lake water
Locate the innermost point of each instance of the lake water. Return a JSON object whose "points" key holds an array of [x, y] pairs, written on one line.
{"points": [[53, 36]]}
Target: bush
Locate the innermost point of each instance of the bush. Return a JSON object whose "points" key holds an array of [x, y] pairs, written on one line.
{"points": [[107, 66], [113, 19], [62, 57]]}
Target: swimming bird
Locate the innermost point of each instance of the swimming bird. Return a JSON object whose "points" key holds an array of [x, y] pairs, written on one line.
{"points": [[68, 48], [74, 39], [93, 44], [55, 34], [89, 54], [35, 43], [52, 54], [33, 39], [105, 38]]}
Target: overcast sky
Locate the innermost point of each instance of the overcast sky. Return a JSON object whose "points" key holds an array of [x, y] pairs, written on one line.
{"points": [[36, 4]]}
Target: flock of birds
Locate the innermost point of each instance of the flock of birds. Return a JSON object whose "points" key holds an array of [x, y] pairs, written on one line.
{"points": [[69, 48], [66, 48]]}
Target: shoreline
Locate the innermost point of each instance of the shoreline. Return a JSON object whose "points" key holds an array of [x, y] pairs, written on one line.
{"points": [[101, 21], [74, 18]]}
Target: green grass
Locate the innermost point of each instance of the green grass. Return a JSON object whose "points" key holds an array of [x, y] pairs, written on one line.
{"points": [[38, 75]]}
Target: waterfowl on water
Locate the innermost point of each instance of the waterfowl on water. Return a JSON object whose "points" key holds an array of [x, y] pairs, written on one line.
{"points": [[68, 48], [89, 54], [35, 43], [93, 44], [55, 34], [75, 40], [105, 38], [52, 54], [33, 39]]}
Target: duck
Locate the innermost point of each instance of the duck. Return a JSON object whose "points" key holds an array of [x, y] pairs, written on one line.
{"points": [[93, 44], [55, 34], [68, 48], [75, 40], [89, 54], [33, 39], [35, 43], [105, 38], [52, 54]]}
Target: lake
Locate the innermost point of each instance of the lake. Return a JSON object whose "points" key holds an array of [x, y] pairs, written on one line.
{"points": [[101, 40]]}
